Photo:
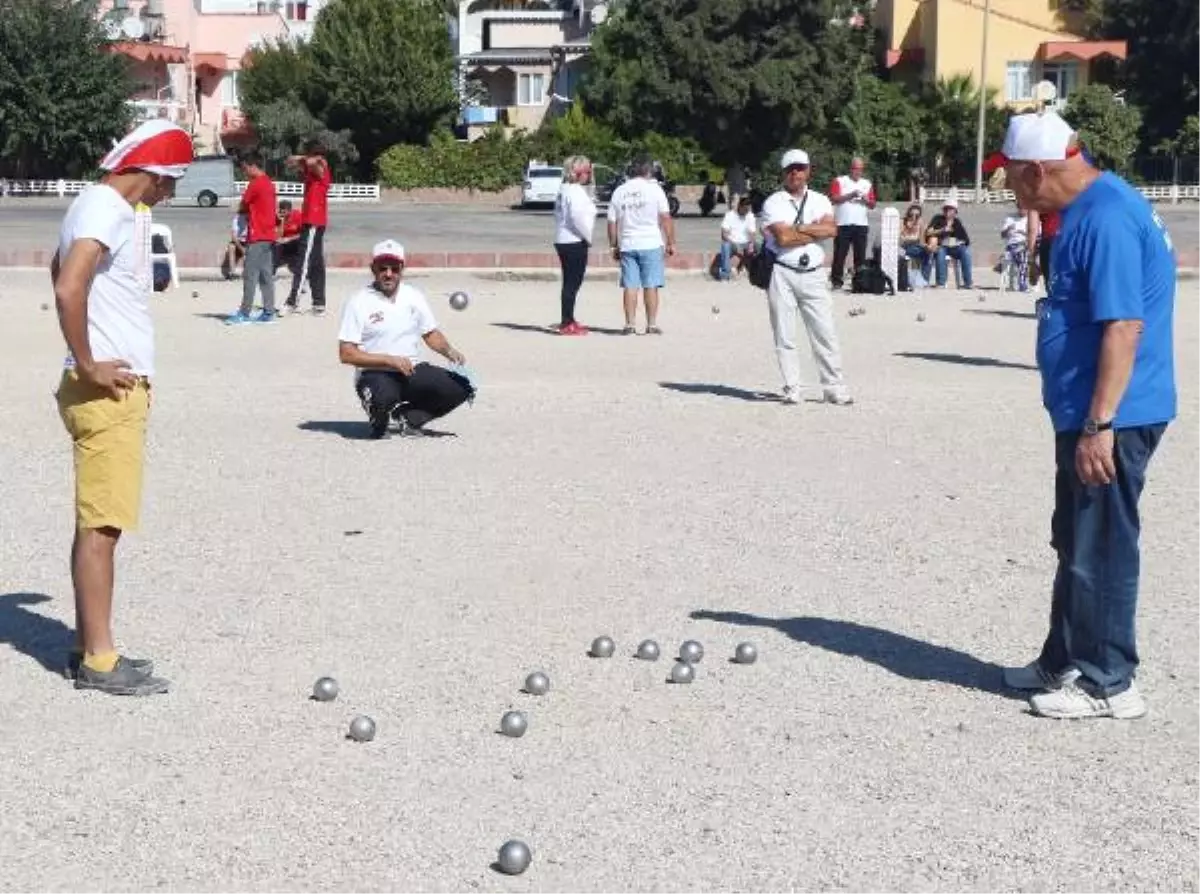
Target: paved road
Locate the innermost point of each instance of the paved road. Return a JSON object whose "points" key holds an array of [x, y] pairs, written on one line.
{"points": [[30, 224]]}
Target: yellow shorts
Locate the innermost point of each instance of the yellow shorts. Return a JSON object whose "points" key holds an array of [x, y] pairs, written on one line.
{"points": [[110, 439]]}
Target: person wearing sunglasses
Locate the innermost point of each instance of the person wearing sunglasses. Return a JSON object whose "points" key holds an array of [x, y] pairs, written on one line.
{"points": [[912, 246], [383, 329]]}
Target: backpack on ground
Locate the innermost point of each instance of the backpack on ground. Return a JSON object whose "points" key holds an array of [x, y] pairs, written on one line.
{"points": [[869, 279]]}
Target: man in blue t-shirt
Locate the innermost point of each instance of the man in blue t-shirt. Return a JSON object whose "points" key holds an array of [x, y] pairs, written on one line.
{"points": [[1104, 349]]}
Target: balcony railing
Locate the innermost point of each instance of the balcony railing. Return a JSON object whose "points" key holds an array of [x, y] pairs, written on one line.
{"points": [[148, 109]]}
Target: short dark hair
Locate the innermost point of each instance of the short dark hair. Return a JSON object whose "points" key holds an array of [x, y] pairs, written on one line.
{"points": [[314, 146], [252, 158], [285, 205], [743, 200], [643, 166]]}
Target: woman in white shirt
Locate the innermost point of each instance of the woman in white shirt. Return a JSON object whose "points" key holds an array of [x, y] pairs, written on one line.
{"points": [[574, 219]]}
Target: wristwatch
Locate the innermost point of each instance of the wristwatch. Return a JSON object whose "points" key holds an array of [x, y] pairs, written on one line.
{"points": [[1095, 426]]}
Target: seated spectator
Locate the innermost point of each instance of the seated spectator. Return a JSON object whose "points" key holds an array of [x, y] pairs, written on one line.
{"points": [[288, 243], [912, 245], [1015, 233], [947, 237], [384, 327], [738, 229], [235, 250]]}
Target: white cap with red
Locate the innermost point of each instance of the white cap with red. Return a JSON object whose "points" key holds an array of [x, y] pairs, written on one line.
{"points": [[387, 250], [1035, 136], [793, 157], [156, 146]]}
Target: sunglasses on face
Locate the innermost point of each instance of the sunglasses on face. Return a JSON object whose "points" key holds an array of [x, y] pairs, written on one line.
{"points": [[796, 168], [389, 267]]}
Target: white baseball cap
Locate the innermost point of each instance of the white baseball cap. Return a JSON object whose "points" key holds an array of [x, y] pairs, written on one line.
{"points": [[950, 203], [793, 157], [389, 250], [1034, 136]]}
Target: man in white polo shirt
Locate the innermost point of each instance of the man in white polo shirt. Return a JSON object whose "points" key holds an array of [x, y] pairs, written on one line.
{"points": [[852, 196], [796, 220], [383, 328], [101, 288]]}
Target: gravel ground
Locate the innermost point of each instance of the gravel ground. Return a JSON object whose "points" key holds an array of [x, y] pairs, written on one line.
{"points": [[886, 558]]}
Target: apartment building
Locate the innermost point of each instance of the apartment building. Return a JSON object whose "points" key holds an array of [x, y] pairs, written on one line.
{"points": [[1028, 41], [186, 56]]}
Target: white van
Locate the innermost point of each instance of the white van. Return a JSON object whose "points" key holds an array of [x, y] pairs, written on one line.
{"points": [[210, 179], [542, 183]]}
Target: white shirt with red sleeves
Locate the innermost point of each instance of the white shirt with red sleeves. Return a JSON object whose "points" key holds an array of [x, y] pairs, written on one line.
{"points": [[852, 213]]}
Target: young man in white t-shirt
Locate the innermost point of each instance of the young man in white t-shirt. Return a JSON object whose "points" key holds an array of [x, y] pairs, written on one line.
{"points": [[103, 298], [1015, 233], [383, 328], [852, 196], [640, 229], [796, 220], [738, 229]]}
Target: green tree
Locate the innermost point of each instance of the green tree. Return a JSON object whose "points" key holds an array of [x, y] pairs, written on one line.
{"points": [[274, 71], [283, 127], [1160, 74], [62, 93], [742, 77], [383, 70], [1107, 128], [951, 126], [884, 125]]}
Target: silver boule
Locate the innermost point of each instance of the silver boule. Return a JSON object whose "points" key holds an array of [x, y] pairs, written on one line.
{"points": [[45, 306], [362, 728], [648, 650], [460, 300], [514, 857], [602, 647], [920, 318], [537, 683], [691, 652], [682, 672], [325, 689], [745, 653], [513, 724]]}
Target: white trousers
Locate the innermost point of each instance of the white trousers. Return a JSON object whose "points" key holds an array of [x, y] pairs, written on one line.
{"points": [[807, 295]]}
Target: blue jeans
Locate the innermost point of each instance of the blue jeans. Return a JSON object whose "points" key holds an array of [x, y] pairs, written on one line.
{"points": [[643, 268], [963, 254], [728, 250], [915, 250], [1095, 531]]}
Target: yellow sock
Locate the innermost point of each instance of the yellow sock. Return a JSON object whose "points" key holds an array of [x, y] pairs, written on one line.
{"points": [[103, 662]]}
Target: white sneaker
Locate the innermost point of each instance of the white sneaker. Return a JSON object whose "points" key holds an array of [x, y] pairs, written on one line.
{"points": [[840, 399], [1033, 676], [1071, 702], [791, 395]]}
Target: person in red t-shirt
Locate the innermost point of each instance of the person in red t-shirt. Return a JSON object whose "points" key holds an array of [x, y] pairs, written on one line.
{"points": [[258, 270], [288, 231], [314, 215]]}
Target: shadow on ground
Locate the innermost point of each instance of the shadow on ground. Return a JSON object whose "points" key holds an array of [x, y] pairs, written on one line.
{"points": [[45, 640], [719, 391], [896, 653], [359, 431], [964, 360], [546, 330], [1011, 314]]}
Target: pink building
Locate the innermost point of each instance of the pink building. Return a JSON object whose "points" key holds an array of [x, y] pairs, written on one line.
{"points": [[187, 55]]}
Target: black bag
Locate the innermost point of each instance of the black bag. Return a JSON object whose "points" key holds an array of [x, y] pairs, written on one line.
{"points": [[869, 279], [762, 264]]}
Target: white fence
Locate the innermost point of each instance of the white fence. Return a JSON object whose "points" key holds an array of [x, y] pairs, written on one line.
{"points": [[1174, 193], [338, 192]]}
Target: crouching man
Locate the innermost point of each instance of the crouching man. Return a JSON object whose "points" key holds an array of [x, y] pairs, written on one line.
{"points": [[383, 326]]}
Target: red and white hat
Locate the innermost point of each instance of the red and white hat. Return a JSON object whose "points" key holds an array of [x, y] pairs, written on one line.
{"points": [[387, 250], [1036, 136], [157, 147]]}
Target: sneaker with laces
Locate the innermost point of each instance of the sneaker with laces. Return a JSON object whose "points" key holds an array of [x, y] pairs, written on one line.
{"points": [[1072, 702], [237, 318], [123, 679], [1034, 676], [264, 317], [75, 661]]}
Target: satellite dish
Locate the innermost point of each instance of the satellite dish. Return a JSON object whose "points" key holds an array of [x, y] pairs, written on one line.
{"points": [[133, 28], [1045, 91], [599, 14]]}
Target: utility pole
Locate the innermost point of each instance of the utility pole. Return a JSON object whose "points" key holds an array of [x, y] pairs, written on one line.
{"points": [[987, 14]]}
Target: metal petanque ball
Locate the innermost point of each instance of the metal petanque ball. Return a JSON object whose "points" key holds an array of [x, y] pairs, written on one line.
{"points": [[920, 318], [325, 689], [537, 683], [362, 728], [513, 724], [460, 300], [691, 652], [45, 306], [745, 653], [514, 857], [682, 672], [195, 294], [602, 647], [648, 650]]}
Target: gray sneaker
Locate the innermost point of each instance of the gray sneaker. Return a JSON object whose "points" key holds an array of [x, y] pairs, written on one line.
{"points": [[75, 660], [123, 679]]}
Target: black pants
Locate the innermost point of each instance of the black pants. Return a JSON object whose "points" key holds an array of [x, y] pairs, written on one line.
{"points": [[574, 258], [429, 393], [316, 266], [848, 237], [1044, 260]]}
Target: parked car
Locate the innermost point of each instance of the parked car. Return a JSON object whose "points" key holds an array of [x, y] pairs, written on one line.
{"points": [[542, 183], [210, 179]]}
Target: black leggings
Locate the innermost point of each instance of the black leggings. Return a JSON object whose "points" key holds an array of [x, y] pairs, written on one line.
{"points": [[429, 393], [1044, 260], [316, 266], [574, 258], [847, 238]]}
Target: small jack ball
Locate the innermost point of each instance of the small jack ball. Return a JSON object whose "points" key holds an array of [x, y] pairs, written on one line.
{"points": [[514, 857], [459, 300], [45, 306], [602, 647], [537, 683], [513, 724], [920, 318], [325, 689], [362, 728]]}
